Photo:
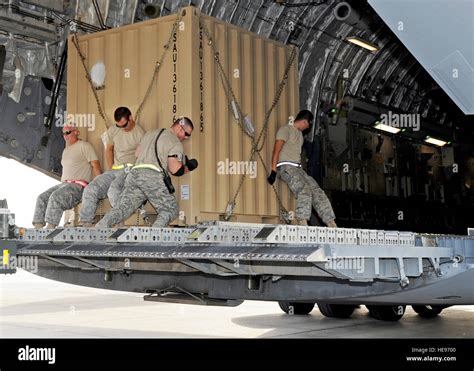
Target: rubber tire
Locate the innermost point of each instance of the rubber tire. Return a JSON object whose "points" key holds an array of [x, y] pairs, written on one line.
{"points": [[298, 308], [336, 310], [428, 311], [386, 312]]}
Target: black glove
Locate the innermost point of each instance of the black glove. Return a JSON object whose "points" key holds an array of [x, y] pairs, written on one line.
{"points": [[191, 164], [272, 177]]}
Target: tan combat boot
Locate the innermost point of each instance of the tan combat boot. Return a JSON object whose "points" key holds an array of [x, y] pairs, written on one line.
{"points": [[38, 225], [331, 224], [51, 226], [302, 222], [85, 225]]}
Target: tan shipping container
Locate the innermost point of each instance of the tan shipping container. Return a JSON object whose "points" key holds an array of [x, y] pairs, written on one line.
{"points": [[188, 84]]}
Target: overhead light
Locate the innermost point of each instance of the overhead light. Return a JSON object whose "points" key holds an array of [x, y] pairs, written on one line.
{"points": [[387, 128], [362, 43], [436, 142]]}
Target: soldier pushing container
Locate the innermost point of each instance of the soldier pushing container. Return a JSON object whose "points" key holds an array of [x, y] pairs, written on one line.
{"points": [[160, 152], [286, 164]]}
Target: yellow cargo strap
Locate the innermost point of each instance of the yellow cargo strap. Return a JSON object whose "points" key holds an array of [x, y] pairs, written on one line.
{"points": [[120, 167], [147, 166]]}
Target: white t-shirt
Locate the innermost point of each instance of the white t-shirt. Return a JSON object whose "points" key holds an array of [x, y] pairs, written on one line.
{"points": [[125, 143], [76, 161]]}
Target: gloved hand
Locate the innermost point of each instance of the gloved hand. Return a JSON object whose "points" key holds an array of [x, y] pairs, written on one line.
{"points": [[191, 164], [272, 177]]}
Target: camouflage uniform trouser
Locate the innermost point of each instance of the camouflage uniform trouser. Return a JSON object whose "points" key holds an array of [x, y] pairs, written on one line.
{"points": [[308, 193], [142, 185], [108, 184], [51, 204]]}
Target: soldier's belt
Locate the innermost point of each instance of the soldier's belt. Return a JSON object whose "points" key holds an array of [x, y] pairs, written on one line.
{"points": [[82, 183], [295, 164], [147, 166], [120, 167]]}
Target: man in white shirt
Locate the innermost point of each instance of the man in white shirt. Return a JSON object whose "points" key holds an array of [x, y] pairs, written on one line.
{"points": [[80, 165], [122, 142]]}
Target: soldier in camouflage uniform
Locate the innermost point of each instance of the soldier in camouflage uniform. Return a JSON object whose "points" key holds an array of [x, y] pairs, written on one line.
{"points": [[80, 165], [146, 180], [122, 141], [286, 164]]}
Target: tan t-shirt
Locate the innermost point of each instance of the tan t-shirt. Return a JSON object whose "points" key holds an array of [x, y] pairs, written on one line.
{"points": [[76, 161], [168, 145], [293, 138], [125, 143]]}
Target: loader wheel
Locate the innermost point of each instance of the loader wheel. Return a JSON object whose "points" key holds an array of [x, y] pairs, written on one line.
{"points": [[390, 313], [296, 308], [336, 310], [428, 311]]}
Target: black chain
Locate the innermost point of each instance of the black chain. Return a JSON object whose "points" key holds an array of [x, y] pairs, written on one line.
{"points": [[158, 64], [102, 114]]}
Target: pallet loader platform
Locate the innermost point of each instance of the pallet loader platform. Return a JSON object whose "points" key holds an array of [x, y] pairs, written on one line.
{"points": [[224, 263]]}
